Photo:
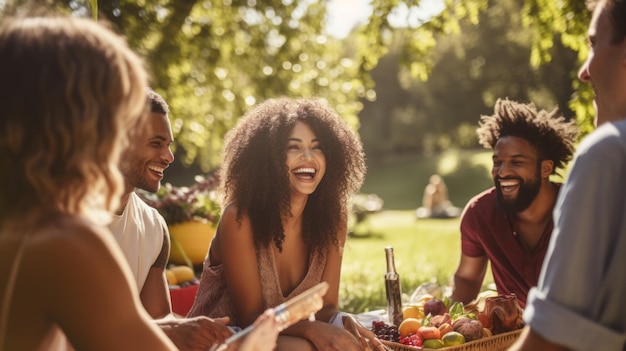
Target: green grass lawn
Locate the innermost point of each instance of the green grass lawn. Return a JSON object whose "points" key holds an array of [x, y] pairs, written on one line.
{"points": [[400, 180], [426, 250]]}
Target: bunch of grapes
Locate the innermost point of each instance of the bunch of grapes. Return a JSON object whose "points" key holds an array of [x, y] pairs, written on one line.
{"points": [[411, 340], [385, 331]]}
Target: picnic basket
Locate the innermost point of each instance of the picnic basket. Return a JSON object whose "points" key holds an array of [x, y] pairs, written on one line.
{"points": [[500, 342]]}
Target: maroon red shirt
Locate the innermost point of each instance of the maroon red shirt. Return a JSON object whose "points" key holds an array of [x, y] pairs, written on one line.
{"points": [[487, 231]]}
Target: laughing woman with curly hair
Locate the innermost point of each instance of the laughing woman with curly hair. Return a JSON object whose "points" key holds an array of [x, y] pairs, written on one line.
{"points": [[289, 169]]}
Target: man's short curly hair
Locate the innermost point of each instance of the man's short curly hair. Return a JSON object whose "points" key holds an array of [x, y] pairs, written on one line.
{"points": [[255, 176], [548, 132], [157, 102]]}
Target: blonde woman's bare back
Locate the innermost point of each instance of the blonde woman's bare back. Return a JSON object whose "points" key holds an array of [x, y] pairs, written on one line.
{"points": [[69, 277]]}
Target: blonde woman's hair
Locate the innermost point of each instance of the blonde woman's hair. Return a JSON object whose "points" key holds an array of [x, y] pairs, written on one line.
{"points": [[70, 90]]}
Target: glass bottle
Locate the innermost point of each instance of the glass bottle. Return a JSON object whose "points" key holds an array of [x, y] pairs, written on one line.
{"points": [[393, 289]]}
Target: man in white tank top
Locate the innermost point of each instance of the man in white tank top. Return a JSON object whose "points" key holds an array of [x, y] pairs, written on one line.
{"points": [[143, 236]]}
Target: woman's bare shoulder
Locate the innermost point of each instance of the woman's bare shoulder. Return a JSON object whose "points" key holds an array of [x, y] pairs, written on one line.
{"points": [[230, 209], [69, 232], [233, 229], [74, 245], [82, 255], [231, 218]]}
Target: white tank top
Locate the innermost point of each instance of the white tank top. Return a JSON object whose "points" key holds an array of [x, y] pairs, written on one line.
{"points": [[140, 233]]}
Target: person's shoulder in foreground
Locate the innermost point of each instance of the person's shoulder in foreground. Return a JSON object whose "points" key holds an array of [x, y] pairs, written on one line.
{"points": [[588, 252], [579, 302], [70, 88]]}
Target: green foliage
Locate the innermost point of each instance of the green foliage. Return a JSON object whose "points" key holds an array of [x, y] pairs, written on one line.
{"points": [[482, 57], [214, 59], [182, 204], [251, 59], [568, 21], [94, 9]]}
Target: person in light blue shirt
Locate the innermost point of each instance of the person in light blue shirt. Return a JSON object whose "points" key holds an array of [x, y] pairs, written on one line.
{"points": [[580, 301]]}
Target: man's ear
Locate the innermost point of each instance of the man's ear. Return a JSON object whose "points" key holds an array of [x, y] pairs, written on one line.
{"points": [[547, 166]]}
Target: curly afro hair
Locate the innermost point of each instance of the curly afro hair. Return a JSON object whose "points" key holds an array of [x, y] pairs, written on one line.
{"points": [[548, 132], [254, 173]]}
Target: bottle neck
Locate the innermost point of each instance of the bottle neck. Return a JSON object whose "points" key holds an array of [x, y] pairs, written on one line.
{"points": [[391, 266]]}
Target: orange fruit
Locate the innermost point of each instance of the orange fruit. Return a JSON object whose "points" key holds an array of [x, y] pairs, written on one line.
{"points": [[409, 326], [412, 311], [429, 332], [452, 339]]}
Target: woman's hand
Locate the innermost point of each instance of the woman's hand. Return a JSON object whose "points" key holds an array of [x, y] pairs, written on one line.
{"points": [[264, 335], [328, 337], [366, 337], [196, 333]]}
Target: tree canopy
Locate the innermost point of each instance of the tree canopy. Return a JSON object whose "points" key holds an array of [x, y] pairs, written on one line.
{"points": [[487, 58], [548, 23], [214, 59]]}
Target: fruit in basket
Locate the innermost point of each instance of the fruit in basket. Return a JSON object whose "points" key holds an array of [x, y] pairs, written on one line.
{"points": [[452, 339], [429, 332], [438, 320], [432, 344], [444, 329], [412, 311], [434, 307], [484, 319], [409, 326], [472, 329], [504, 313], [411, 340], [385, 331]]}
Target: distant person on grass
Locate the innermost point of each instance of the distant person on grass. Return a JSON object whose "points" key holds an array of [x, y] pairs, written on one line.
{"points": [[511, 223], [435, 202], [143, 235], [580, 300]]}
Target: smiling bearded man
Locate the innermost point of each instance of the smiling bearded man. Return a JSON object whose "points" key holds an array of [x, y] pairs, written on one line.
{"points": [[528, 191], [143, 235], [511, 223]]}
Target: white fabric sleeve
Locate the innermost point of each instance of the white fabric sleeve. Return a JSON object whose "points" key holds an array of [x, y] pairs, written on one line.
{"points": [[337, 319]]}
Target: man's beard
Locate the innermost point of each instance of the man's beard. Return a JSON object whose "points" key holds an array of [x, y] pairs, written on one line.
{"points": [[526, 194], [134, 172]]}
